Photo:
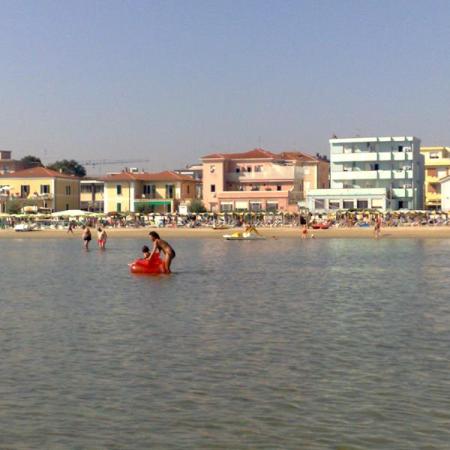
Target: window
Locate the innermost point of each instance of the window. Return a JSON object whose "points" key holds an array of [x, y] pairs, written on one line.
{"points": [[213, 188], [362, 204], [333, 205], [24, 190], [149, 190], [434, 155], [348, 204], [170, 191], [258, 168], [278, 188], [255, 206], [238, 169], [86, 188], [188, 189], [119, 190], [400, 148], [67, 206], [45, 189], [226, 207], [119, 207], [272, 206], [319, 204], [68, 190], [249, 169]]}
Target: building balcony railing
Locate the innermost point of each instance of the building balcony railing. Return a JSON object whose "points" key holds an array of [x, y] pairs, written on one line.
{"points": [[252, 194], [372, 174], [371, 156]]}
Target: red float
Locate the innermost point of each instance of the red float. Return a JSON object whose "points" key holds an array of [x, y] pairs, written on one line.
{"points": [[147, 266]]}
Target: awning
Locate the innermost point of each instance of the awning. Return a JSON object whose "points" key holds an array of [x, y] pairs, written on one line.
{"points": [[153, 202]]}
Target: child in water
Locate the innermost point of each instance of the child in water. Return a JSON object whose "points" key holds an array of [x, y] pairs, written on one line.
{"points": [[146, 252], [162, 246]]}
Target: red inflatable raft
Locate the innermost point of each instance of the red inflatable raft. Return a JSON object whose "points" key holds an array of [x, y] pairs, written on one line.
{"points": [[153, 265]]}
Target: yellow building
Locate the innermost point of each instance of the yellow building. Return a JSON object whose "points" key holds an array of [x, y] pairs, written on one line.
{"points": [[91, 194], [149, 192], [437, 166], [40, 188]]}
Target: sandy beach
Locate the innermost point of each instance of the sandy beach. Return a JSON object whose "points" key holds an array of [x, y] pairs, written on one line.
{"points": [[428, 232]]}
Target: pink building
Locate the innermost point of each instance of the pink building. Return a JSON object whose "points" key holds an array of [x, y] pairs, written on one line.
{"points": [[260, 180]]}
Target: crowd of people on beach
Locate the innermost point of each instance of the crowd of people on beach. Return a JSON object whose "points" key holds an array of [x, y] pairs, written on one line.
{"points": [[338, 219]]}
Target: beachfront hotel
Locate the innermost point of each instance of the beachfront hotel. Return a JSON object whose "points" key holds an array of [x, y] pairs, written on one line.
{"points": [[437, 167], [161, 192], [259, 180], [40, 188], [385, 173]]}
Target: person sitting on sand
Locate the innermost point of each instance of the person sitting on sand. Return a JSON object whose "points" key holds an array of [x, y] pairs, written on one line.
{"points": [[102, 238], [162, 246]]}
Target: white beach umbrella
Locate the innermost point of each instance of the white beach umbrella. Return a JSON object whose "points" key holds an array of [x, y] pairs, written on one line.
{"points": [[70, 213]]}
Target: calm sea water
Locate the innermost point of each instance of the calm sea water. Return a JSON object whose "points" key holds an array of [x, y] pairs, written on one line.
{"points": [[281, 344]]}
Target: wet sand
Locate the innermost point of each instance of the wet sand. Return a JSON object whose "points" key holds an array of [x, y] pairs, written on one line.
{"points": [[427, 232]]}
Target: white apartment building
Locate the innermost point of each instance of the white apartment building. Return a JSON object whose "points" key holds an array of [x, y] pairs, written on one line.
{"points": [[385, 173]]}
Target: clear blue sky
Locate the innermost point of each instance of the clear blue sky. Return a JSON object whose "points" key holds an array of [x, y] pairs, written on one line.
{"points": [[172, 80]]}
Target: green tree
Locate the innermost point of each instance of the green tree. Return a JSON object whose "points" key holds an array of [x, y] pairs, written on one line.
{"points": [[69, 167], [31, 161], [13, 206], [197, 206]]}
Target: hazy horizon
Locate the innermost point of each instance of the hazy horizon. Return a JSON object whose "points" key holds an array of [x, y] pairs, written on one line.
{"points": [[171, 81]]}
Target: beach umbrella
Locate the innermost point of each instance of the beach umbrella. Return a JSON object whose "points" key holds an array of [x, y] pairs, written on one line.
{"points": [[70, 213]]}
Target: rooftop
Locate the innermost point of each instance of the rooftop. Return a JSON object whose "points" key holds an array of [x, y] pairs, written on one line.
{"points": [[147, 176], [373, 139], [38, 172], [260, 153]]}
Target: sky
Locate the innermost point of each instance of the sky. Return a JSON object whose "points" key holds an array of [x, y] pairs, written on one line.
{"points": [[169, 81]]}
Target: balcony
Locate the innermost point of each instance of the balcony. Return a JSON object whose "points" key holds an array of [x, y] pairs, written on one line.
{"points": [[402, 174], [350, 157], [355, 175], [274, 173], [402, 192], [372, 157], [252, 195]]}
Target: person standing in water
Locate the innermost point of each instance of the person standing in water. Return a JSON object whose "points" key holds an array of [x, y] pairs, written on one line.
{"points": [[87, 237], [101, 238], [162, 246], [377, 228]]}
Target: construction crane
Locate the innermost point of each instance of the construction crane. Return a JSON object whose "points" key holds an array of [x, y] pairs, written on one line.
{"points": [[106, 162]]}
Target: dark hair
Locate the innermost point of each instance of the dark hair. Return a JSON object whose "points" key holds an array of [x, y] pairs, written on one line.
{"points": [[145, 249], [154, 234]]}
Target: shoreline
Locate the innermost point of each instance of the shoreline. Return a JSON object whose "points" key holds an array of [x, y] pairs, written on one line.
{"points": [[421, 232]]}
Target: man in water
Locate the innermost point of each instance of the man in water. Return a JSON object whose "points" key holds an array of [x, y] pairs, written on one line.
{"points": [[162, 246]]}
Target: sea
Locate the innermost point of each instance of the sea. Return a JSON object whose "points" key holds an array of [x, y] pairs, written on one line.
{"points": [[339, 344]]}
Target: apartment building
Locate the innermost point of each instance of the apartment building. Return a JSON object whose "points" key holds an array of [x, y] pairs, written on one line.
{"points": [[373, 173], [160, 192], [260, 180], [42, 188], [437, 167]]}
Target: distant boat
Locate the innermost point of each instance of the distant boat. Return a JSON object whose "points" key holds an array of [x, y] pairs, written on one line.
{"points": [[244, 236]]}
